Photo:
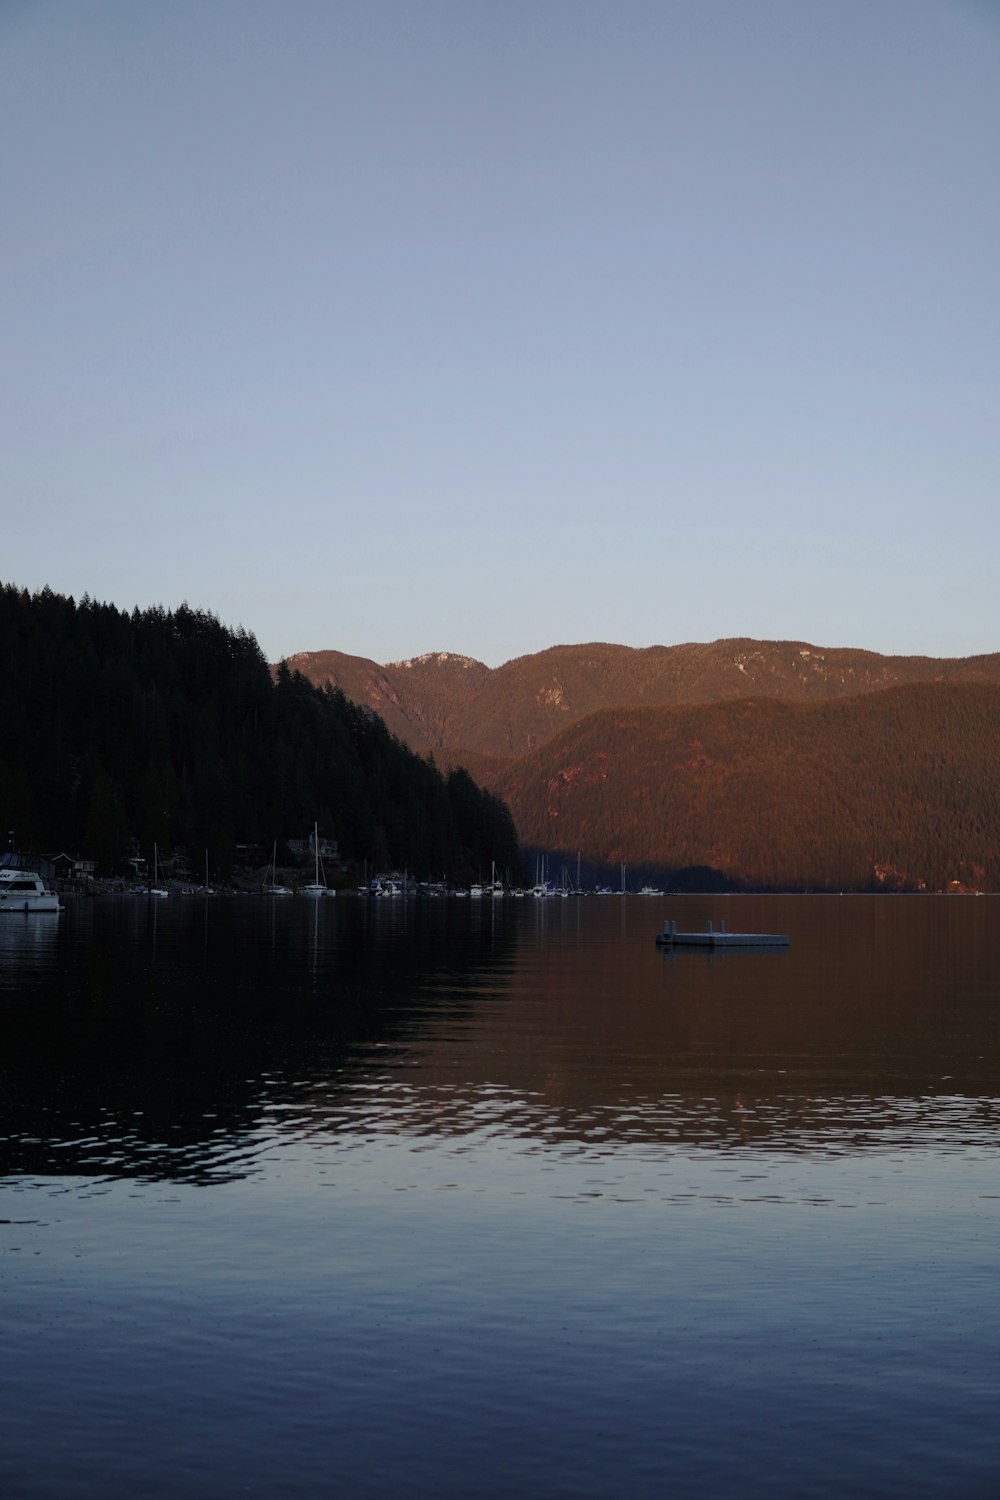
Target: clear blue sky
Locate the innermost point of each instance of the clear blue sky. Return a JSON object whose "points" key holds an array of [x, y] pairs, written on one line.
{"points": [[481, 325]]}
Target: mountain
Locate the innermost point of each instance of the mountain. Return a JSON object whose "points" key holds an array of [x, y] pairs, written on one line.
{"points": [[474, 715], [763, 763], [891, 790], [417, 699]]}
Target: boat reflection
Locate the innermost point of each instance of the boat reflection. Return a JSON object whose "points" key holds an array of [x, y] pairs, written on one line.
{"points": [[25, 936]]}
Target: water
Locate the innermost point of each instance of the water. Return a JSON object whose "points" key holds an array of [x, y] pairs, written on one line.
{"points": [[462, 1199]]}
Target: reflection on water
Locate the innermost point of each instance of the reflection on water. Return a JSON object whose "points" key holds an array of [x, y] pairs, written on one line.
{"points": [[165, 1032], [583, 1217], [147, 1040], [25, 939]]}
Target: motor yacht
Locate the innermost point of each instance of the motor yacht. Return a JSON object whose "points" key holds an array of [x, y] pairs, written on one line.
{"points": [[26, 891]]}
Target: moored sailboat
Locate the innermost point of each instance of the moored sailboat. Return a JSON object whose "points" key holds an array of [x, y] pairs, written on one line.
{"points": [[316, 887], [272, 889], [157, 888]]}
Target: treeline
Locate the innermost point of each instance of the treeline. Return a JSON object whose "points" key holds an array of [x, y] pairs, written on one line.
{"points": [[897, 790], [167, 727]]}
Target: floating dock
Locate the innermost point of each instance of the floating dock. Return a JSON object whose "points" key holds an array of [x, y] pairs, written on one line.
{"points": [[718, 938]]}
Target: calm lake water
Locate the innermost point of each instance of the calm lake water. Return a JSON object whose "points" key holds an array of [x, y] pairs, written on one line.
{"points": [[497, 1199]]}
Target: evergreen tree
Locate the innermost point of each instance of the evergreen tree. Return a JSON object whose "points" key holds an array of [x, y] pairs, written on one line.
{"points": [[168, 728]]}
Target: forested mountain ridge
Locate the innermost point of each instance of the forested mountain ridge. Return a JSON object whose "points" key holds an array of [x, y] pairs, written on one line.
{"points": [[771, 764], [892, 790], [167, 727], [468, 713], [417, 699]]}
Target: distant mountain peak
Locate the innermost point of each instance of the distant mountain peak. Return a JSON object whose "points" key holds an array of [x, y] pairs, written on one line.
{"points": [[456, 707], [436, 658]]}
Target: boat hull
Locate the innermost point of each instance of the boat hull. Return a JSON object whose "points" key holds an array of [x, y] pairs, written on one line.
{"points": [[19, 904]]}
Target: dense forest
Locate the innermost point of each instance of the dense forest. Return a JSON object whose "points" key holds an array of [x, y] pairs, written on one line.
{"points": [[167, 727], [893, 790]]}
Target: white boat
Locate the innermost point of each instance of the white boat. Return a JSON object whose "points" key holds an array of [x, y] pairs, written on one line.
{"points": [[650, 890], [156, 889], [269, 887], [316, 887], [26, 891]]}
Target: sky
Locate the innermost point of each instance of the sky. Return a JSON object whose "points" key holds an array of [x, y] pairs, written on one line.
{"points": [[393, 326]]}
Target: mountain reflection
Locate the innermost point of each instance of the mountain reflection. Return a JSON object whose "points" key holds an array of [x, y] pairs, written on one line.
{"points": [[186, 1041]]}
